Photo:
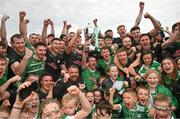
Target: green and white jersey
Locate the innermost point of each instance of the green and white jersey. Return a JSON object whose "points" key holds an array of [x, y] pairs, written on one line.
{"points": [[102, 65], [153, 66], [35, 67], [90, 78]]}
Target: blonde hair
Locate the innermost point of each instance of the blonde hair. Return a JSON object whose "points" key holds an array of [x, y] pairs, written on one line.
{"points": [[67, 97]]}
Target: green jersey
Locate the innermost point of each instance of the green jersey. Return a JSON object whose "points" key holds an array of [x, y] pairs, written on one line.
{"points": [[35, 67], [90, 78]]}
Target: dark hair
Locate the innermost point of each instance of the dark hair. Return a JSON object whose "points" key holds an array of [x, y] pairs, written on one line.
{"points": [[109, 30], [32, 34], [104, 105], [174, 26], [145, 52], [2, 57], [175, 66], [62, 36], [56, 39], [3, 44], [134, 28], [145, 34], [42, 76], [19, 36], [108, 37], [120, 26], [51, 35], [39, 44], [73, 66]]}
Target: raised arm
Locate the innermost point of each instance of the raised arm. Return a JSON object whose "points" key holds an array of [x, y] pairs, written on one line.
{"points": [[44, 30], [64, 27], [72, 42], [18, 105], [3, 32], [139, 17], [173, 38], [85, 105], [19, 67], [155, 23], [95, 25], [52, 27], [23, 25], [4, 87]]}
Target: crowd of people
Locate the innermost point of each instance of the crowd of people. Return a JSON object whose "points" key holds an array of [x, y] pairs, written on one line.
{"points": [[136, 75]]}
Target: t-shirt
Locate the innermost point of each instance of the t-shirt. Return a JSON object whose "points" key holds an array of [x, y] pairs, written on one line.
{"points": [[53, 64], [103, 66], [90, 78], [33, 66], [153, 66]]}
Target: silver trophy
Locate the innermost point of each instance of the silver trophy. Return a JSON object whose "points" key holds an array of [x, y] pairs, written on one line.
{"points": [[90, 35]]}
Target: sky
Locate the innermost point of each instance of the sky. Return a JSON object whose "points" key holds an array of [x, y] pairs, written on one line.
{"points": [[110, 13]]}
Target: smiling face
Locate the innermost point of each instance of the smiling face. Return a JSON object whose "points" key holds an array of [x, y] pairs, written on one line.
{"points": [[97, 96], [51, 111], [19, 44], [152, 80], [162, 113], [92, 63], [145, 42], [40, 52], [122, 56], [105, 53], [127, 42], [46, 82], [33, 105], [147, 58], [168, 66]]}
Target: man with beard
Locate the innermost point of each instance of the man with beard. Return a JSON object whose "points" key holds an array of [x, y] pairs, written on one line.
{"points": [[72, 77]]}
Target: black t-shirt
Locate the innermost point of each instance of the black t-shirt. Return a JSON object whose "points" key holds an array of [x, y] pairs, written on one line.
{"points": [[41, 95], [118, 41], [13, 57], [53, 64]]}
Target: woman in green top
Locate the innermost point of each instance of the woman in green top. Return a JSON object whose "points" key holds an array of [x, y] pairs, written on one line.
{"points": [[170, 73], [147, 62]]}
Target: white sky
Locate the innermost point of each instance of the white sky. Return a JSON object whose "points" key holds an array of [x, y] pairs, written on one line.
{"points": [[110, 13]]}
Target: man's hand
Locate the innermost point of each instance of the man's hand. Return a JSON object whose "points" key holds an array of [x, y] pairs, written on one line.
{"points": [[74, 90], [28, 53], [141, 5], [4, 18], [147, 15], [15, 79], [22, 14]]}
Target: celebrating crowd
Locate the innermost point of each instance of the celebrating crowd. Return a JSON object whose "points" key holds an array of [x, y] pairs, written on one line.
{"points": [[43, 76]]}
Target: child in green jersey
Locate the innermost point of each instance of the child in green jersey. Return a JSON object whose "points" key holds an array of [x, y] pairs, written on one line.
{"points": [[163, 107]]}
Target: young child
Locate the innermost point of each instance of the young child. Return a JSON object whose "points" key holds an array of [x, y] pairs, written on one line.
{"points": [[152, 77], [143, 104], [129, 105], [163, 107], [103, 111], [70, 104], [90, 96], [113, 80]]}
